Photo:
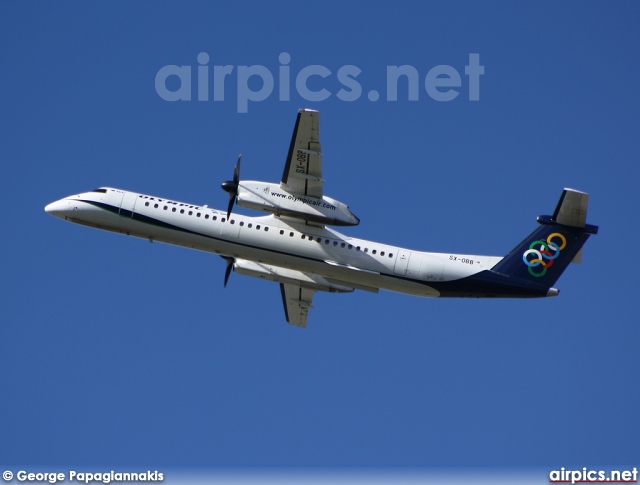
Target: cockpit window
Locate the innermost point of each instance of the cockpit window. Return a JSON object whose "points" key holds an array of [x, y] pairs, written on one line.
{"points": [[100, 191]]}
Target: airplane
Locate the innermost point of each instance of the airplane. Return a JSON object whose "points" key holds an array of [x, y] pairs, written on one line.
{"points": [[295, 246]]}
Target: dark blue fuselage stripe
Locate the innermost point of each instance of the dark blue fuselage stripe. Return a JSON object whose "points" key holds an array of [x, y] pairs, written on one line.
{"points": [[484, 283]]}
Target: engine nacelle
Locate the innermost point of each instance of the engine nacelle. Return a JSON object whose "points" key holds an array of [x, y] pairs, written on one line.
{"points": [[287, 276], [272, 198]]}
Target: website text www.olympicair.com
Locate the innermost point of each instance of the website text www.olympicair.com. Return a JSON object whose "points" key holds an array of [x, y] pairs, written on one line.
{"points": [[313, 83]]}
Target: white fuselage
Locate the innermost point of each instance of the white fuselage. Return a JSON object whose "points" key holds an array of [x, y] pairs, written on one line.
{"points": [[270, 240]]}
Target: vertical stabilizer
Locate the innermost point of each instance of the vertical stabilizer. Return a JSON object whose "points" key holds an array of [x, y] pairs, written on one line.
{"points": [[546, 252]]}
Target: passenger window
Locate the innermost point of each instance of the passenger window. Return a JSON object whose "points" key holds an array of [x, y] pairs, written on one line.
{"points": [[181, 211], [190, 213], [290, 234], [258, 227], [391, 255], [146, 204], [155, 206], [198, 214], [173, 210]]}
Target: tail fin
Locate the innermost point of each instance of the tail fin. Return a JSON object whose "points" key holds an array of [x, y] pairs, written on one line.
{"points": [[546, 252]]}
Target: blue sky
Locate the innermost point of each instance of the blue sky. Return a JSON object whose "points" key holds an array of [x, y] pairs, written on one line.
{"points": [[116, 352]]}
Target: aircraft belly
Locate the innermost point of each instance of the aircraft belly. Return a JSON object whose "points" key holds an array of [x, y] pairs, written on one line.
{"points": [[345, 275]]}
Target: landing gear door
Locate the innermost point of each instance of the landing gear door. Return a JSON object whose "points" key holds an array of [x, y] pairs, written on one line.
{"points": [[402, 261], [128, 204]]}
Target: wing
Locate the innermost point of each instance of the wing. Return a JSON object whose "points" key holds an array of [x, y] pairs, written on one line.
{"points": [[303, 171], [297, 302]]}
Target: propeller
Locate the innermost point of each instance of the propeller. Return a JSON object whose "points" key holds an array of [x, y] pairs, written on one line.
{"points": [[228, 269], [231, 186]]}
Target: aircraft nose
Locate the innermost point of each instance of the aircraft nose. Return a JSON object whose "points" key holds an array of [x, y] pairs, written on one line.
{"points": [[59, 208]]}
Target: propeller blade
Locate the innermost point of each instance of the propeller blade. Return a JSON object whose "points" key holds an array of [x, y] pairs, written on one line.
{"points": [[232, 199], [231, 186], [236, 171], [228, 269]]}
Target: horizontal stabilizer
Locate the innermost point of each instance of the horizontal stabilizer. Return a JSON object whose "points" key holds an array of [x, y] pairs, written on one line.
{"points": [[572, 208]]}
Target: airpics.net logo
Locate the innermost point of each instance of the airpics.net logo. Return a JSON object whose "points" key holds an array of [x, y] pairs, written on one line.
{"points": [[314, 82]]}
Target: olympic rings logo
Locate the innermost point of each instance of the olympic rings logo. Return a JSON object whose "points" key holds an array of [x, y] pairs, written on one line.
{"points": [[543, 253]]}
